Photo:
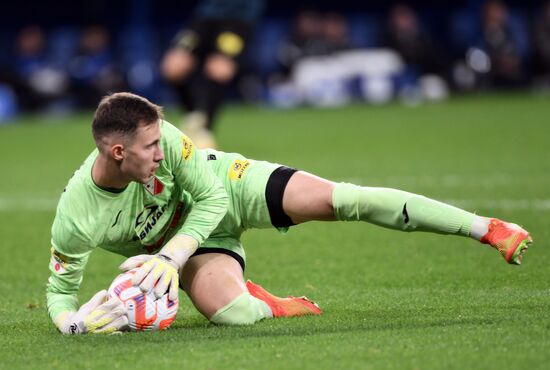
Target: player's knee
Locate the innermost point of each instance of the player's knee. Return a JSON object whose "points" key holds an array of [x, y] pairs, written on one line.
{"points": [[347, 202], [243, 310], [220, 68], [177, 65]]}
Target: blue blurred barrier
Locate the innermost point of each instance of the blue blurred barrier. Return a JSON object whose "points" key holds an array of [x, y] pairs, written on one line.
{"points": [[8, 104]]}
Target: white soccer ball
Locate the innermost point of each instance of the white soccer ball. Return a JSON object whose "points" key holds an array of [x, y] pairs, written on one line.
{"points": [[144, 311]]}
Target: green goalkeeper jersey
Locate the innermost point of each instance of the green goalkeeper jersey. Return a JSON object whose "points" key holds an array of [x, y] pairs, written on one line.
{"points": [[185, 196]]}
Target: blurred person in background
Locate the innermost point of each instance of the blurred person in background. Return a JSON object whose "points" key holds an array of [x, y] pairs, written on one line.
{"points": [[306, 39], [424, 64], [205, 58], [38, 85], [541, 45], [306, 68], [93, 69], [506, 67], [336, 32]]}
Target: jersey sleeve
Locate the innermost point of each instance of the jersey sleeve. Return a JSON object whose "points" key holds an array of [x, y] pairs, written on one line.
{"points": [[194, 175], [69, 255]]}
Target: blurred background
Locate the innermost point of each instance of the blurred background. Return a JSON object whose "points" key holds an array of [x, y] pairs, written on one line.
{"points": [[59, 57]]}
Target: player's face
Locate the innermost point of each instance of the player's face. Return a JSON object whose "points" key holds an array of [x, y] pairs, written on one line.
{"points": [[143, 156]]}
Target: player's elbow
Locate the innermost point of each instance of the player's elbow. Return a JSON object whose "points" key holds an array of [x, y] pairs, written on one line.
{"points": [[221, 200], [224, 202]]}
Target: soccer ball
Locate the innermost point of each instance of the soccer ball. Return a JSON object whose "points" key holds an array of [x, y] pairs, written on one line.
{"points": [[144, 311]]}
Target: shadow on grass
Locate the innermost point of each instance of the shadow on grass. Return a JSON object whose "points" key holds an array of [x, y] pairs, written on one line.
{"points": [[197, 329]]}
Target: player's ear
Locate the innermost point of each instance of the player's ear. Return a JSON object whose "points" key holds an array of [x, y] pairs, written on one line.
{"points": [[117, 151]]}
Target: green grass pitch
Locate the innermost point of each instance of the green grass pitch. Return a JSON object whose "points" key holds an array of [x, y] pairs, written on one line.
{"points": [[391, 300]]}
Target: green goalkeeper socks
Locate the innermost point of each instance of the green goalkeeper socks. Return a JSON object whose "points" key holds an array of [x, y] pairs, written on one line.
{"points": [[396, 209], [243, 310]]}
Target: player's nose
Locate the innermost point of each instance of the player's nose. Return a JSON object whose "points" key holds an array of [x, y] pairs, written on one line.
{"points": [[159, 156]]}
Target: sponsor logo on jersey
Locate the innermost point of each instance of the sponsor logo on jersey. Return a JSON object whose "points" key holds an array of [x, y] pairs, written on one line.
{"points": [[154, 186], [58, 262], [147, 219], [116, 219], [173, 224], [237, 169], [187, 148]]}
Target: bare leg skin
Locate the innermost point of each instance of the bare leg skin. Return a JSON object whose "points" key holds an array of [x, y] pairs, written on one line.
{"points": [[212, 280], [308, 198]]}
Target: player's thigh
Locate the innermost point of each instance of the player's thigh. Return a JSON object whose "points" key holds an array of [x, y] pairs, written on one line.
{"points": [[308, 197], [212, 280], [220, 68]]}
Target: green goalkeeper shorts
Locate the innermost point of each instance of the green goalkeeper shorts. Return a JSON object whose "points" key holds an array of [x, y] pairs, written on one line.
{"points": [[255, 190]]}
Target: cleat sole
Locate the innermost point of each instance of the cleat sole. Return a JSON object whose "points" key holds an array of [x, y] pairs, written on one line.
{"points": [[522, 247]]}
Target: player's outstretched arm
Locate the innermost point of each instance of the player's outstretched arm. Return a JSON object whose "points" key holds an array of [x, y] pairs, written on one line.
{"points": [[101, 314], [162, 267]]}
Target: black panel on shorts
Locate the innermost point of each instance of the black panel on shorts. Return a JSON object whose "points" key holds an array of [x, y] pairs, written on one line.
{"points": [[222, 251], [274, 190]]}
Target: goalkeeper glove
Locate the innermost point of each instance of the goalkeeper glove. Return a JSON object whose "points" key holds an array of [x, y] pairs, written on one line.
{"points": [[100, 314], [160, 271]]}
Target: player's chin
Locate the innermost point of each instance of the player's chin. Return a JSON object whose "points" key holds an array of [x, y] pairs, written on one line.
{"points": [[144, 179]]}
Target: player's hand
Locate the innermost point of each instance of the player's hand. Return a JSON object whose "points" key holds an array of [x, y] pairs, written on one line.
{"points": [[160, 272], [101, 314], [135, 261], [151, 269]]}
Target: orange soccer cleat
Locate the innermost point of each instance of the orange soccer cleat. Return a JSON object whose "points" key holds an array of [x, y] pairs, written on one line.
{"points": [[284, 307], [510, 239]]}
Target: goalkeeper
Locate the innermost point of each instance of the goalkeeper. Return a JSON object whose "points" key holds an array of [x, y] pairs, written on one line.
{"points": [[178, 213]]}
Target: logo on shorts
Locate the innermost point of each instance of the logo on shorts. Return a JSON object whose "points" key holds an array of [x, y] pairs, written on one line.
{"points": [[237, 169], [187, 148]]}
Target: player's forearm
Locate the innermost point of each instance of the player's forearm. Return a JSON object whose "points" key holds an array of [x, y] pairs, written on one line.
{"points": [[206, 214], [60, 303], [64, 282], [61, 290], [210, 200], [180, 248]]}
